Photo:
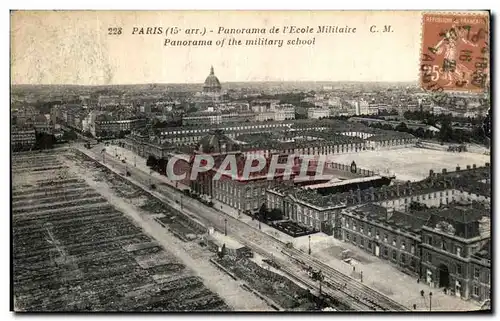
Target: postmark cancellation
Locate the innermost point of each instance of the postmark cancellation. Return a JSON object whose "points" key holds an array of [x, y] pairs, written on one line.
{"points": [[455, 53]]}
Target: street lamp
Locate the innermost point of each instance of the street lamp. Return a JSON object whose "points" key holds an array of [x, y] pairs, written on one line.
{"points": [[309, 244], [225, 226], [430, 301]]}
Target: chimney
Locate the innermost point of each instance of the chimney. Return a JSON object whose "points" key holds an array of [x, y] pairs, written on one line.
{"points": [[468, 166], [474, 166], [487, 164], [431, 173], [444, 171]]}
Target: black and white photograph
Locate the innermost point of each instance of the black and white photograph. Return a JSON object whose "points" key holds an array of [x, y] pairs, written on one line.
{"points": [[250, 161]]}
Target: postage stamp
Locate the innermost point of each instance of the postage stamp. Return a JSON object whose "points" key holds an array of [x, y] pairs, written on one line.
{"points": [[455, 52]]}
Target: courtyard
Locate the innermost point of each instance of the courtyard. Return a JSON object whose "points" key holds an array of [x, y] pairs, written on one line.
{"points": [[411, 164], [380, 275]]}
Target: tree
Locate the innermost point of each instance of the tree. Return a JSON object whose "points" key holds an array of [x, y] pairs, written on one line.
{"points": [[402, 127], [44, 141], [420, 132], [446, 132], [152, 162], [263, 211], [275, 215], [69, 135], [162, 166]]}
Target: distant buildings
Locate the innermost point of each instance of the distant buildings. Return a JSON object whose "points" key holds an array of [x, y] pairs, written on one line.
{"points": [[105, 125], [227, 116], [317, 113], [22, 138]]}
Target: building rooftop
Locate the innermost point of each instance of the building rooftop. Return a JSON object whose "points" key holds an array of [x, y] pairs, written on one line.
{"points": [[217, 142]]}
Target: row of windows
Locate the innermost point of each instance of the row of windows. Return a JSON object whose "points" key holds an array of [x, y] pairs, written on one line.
{"points": [[445, 246], [377, 236], [385, 249], [476, 293], [225, 129]]}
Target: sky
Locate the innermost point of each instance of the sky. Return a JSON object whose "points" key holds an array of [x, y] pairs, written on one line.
{"points": [[75, 47]]}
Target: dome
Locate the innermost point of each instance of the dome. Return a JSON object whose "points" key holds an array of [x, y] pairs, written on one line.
{"points": [[211, 83], [217, 142]]}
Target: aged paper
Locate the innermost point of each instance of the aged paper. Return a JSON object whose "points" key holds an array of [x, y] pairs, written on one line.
{"points": [[250, 161]]}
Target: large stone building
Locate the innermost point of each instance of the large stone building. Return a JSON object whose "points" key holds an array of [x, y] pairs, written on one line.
{"points": [[233, 189], [212, 93], [437, 229], [317, 113], [22, 138], [108, 126], [147, 146], [449, 238]]}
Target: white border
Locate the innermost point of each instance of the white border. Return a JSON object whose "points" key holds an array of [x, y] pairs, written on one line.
{"points": [[187, 4]]}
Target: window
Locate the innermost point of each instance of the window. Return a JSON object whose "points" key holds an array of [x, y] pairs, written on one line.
{"points": [[429, 257], [476, 290], [386, 251], [459, 269], [354, 239], [459, 251], [362, 242], [369, 231], [476, 273], [369, 245], [394, 255], [403, 245], [354, 225], [403, 259], [385, 238], [394, 240], [377, 236], [347, 222], [361, 228], [347, 236], [444, 246], [429, 240], [412, 249]]}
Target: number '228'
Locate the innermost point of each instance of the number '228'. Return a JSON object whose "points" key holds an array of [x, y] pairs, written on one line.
{"points": [[115, 31]]}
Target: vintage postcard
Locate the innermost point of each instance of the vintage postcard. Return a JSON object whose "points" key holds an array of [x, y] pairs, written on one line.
{"points": [[250, 161]]}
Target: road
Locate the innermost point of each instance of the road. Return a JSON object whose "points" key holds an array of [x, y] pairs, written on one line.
{"points": [[337, 285]]}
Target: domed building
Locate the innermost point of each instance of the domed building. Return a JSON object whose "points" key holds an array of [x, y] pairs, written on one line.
{"points": [[212, 83], [211, 93]]}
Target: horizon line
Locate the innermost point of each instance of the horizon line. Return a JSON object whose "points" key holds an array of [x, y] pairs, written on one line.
{"points": [[228, 82]]}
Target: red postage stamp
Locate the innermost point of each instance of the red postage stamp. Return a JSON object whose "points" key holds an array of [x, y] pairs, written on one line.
{"points": [[455, 52]]}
